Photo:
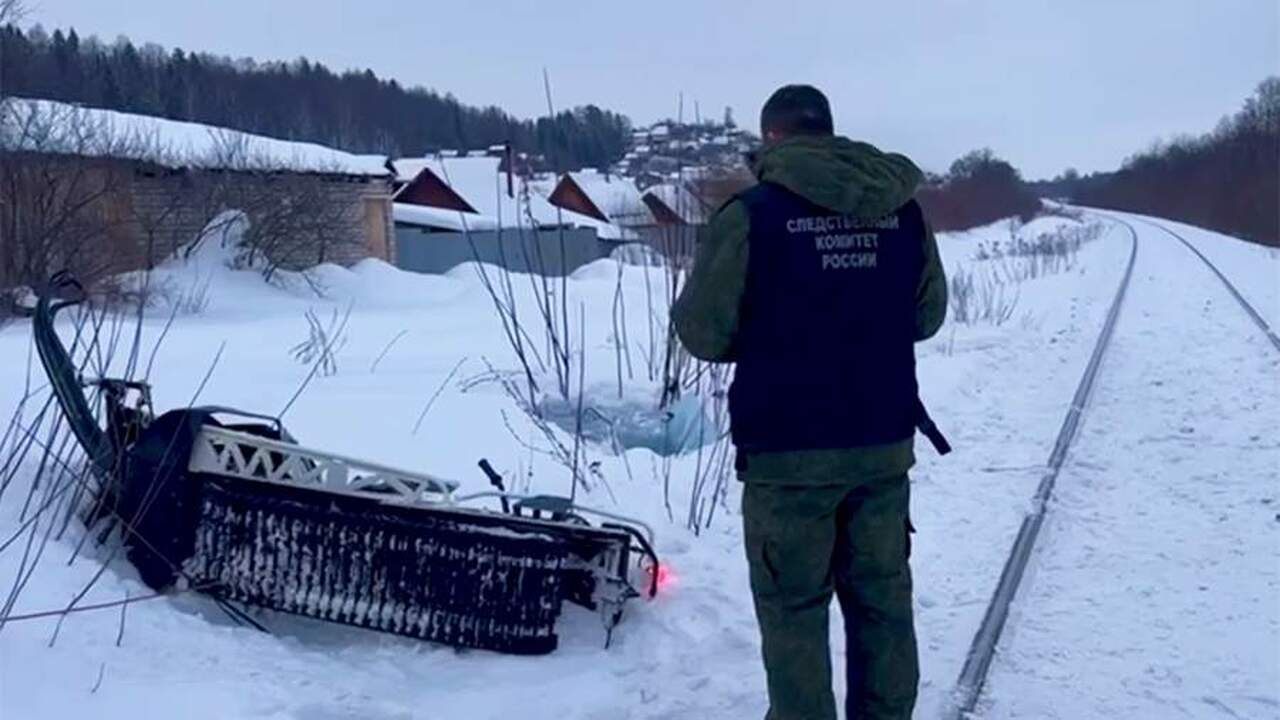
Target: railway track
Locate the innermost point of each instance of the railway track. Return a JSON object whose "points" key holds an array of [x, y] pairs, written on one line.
{"points": [[1231, 288], [973, 675], [982, 650]]}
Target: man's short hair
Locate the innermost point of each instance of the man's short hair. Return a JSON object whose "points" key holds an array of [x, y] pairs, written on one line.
{"points": [[797, 110]]}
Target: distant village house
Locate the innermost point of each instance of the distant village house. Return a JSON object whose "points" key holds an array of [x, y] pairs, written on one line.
{"points": [[612, 199], [456, 207]]}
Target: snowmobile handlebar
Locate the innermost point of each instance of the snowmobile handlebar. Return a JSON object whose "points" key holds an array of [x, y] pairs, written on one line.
{"points": [[605, 514], [64, 375], [495, 479]]}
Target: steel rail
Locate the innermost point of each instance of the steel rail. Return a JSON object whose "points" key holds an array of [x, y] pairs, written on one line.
{"points": [[977, 663], [1248, 308]]}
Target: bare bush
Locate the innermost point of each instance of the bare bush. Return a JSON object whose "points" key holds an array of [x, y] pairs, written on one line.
{"points": [[572, 455], [1062, 211], [990, 291], [322, 343], [670, 362], [714, 466], [83, 191], [545, 325], [193, 300], [1049, 253], [79, 192], [39, 454], [135, 292], [60, 193], [295, 219], [982, 296]]}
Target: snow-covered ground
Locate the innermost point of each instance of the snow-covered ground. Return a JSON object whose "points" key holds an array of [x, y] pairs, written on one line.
{"points": [[1253, 269], [998, 390], [1155, 589]]}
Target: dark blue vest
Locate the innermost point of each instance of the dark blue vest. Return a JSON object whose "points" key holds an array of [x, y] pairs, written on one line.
{"points": [[826, 336]]}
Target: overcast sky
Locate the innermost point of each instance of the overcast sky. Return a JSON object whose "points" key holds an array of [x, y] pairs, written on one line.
{"points": [[1045, 83]]}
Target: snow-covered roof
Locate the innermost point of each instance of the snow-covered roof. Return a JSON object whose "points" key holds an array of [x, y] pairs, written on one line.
{"points": [[615, 196], [683, 202], [55, 128], [407, 169], [479, 182], [453, 220]]}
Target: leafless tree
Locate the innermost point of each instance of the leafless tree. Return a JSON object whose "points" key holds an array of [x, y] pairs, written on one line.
{"points": [[1227, 180], [81, 193], [295, 220], [60, 191], [11, 11]]}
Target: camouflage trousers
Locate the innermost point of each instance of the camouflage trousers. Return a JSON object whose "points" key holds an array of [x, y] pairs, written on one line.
{"points": [[805, 543]]}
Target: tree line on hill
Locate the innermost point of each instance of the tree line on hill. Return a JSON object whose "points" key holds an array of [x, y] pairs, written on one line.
{"points": [[1227, 180], [300, 100]]}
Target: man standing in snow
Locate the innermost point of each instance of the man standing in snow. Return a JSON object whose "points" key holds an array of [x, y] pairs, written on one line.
{"points": [[817, 282]]}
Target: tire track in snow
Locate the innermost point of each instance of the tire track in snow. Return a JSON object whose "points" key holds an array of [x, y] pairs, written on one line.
{"points": [[982, 650]]}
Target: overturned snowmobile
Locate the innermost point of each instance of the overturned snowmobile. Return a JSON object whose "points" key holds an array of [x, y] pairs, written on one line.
{"points": [[227, 503]]}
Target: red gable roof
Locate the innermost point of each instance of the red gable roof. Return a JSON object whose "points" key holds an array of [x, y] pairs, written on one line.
{"points": [[429, 190], [569, 195]]}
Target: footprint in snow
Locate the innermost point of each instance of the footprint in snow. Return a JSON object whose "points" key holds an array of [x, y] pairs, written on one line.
{"points": [[364, 712]]}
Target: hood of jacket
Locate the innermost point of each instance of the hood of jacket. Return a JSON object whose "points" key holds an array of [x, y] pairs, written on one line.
{"points": [[849, 177]]}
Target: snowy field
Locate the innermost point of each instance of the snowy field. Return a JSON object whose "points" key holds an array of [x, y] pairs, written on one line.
{"points": [[1180, 432]]}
